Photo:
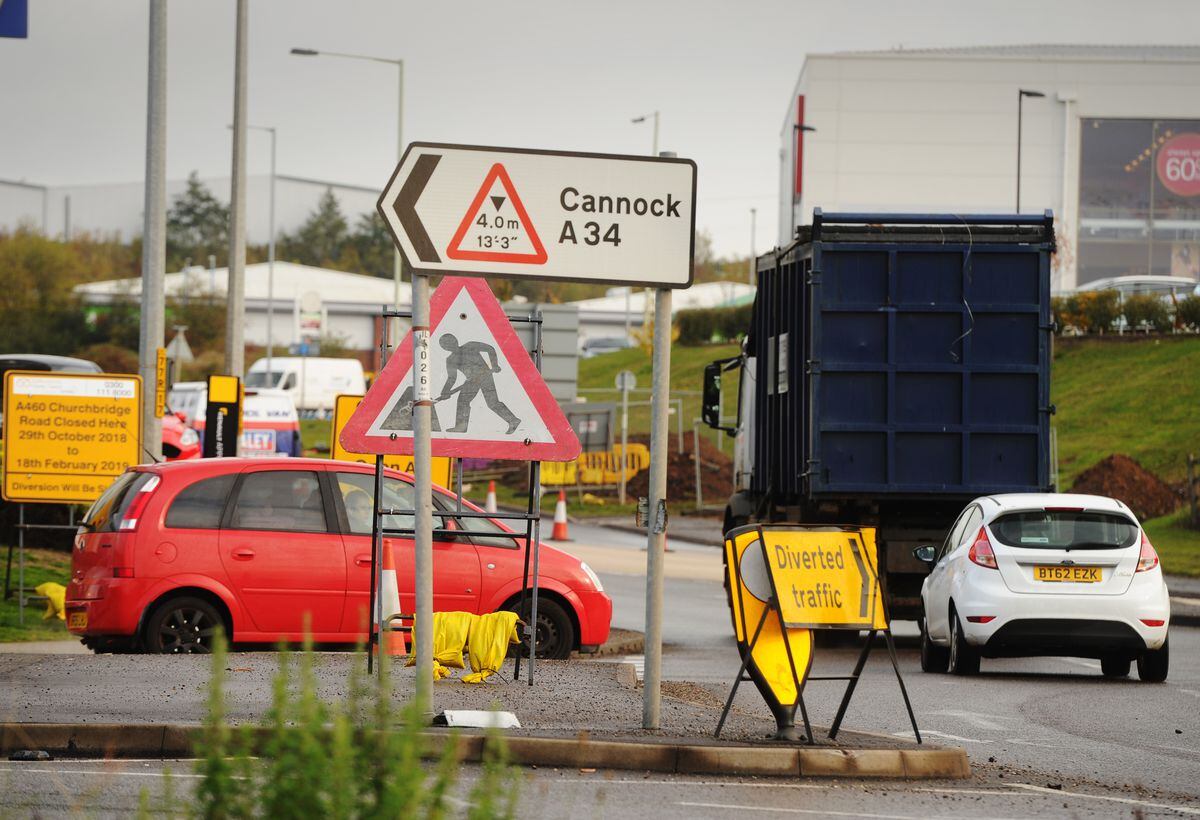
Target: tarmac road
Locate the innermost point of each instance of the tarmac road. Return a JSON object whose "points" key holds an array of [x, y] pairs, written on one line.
{"points": [[64, 788], [1055, 720]]}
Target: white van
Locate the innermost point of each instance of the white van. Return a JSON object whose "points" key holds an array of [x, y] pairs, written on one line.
{"points": [[312, 382]]}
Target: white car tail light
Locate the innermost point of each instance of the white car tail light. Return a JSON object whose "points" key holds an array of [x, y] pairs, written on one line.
{"points": [[981, 551], [1147, 558]]}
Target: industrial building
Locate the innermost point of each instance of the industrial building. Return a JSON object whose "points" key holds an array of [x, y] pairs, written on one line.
{"points": [[1109, 141]]}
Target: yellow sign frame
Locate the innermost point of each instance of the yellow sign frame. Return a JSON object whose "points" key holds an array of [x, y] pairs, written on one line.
{"points": [[778, 653], [65, 475], [344, 406]]}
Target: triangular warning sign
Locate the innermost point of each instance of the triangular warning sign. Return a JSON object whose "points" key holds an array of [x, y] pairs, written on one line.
{"points": [[503, 233], [489, 400]]}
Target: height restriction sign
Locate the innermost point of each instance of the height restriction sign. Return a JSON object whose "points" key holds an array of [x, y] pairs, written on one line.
{"points": [[520, 213]]}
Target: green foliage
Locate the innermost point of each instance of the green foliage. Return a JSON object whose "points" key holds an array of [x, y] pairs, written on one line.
{"points": [[111, 358], [348, 759], [704, 325], [1146, 310], [1177, 544], [41, 565], [1187, 313], [321, 240], [197, 227], [38, 311]]}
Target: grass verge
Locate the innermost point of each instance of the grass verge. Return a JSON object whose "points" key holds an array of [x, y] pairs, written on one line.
{"points": [[40, 566], [1178, 546]]}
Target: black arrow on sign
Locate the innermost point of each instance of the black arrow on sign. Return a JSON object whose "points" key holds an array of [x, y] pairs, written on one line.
{"points": [[864, 599], [406, 204]]}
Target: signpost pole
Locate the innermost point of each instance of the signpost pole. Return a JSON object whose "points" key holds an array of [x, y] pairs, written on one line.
{"points": [[423, 506], [624, 435], [21, 565], [235, 305], [154, 232], [656, 530]]}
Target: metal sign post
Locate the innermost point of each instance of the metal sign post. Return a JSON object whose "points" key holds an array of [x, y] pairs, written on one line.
{"points": [[423, 486], [626, 381], [656, 534]]}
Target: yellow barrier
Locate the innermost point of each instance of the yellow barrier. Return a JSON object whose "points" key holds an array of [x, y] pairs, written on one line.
{"points": [[597, 468]]}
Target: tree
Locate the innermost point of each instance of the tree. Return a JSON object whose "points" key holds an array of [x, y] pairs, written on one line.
{"points": [[320, 240], [38, 311], [372, 244], [197, 227]]}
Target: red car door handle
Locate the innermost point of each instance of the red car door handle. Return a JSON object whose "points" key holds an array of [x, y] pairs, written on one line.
{"points": [[363, 560], [243, 554]]}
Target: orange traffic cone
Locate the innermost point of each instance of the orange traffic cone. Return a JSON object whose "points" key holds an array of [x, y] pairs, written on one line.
{"points": [[490, 504], [389, 602], [560, 518]]}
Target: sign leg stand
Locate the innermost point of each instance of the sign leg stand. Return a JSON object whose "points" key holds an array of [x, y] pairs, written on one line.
{"points": [[891, 645], [21, 564], [373, 618], [423, 528], [656, 531], [858, 668], [741, 672]]}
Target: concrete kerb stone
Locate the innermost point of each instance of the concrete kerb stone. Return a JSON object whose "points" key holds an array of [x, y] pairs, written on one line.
{"points": [[148, 740]]}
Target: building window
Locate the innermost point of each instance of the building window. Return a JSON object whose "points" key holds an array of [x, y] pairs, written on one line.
{"points": [[1139, 198]]}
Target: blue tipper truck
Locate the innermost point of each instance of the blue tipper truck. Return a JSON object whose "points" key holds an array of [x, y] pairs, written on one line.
{"points": [[896, 366]]}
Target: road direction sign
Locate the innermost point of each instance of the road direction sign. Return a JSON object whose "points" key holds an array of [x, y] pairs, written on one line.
{"points": [[491, 402], [68, 435], [825, 577], [520, 213], [343, 408]]}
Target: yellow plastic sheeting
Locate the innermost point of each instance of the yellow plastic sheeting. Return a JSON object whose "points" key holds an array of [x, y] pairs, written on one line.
{"points": [[56, 597], [777, 652], [489, 639], [450, 630]]}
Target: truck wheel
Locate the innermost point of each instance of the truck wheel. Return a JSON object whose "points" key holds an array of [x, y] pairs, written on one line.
{"points": [[1153, 664], [964, 658], [934, 658]]}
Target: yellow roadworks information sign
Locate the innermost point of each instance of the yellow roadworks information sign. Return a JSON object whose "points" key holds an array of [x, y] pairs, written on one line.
{"points": [[779, 658], [344, 407], [825, 576], [68, 435]]}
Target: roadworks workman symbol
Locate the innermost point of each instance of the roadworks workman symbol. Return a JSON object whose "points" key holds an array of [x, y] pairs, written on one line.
{"points": [[496, 227], [500, 405]]}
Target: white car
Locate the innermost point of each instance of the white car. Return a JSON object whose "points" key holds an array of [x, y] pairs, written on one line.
{"points": [[1045, 574]]}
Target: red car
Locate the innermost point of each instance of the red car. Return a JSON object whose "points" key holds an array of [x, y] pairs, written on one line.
{"points": [[179, 442], [170, 551]]}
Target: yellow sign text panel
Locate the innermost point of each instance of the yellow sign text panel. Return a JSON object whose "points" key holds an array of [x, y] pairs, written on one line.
{"points": [[344, 407], [825, 576], [68, 435]]}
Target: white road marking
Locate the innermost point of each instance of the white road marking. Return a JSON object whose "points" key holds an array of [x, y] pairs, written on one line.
{"points": [[1078, 662], [1191, 692], [1125, 800], [604, 781], [943, 735], [974, 718], [106, 772], [822, 812], [1189, 601]]}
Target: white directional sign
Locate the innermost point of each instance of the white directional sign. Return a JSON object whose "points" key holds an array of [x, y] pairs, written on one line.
{"points": [[458, 209]]}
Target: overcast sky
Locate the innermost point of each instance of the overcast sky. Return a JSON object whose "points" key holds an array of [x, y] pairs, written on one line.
{"points": [[554, 74]]}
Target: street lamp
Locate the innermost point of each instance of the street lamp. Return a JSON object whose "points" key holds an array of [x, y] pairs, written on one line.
{"points": [[753, 217], [270, 254], [312, 52], [1021, 95], [654, 142]]}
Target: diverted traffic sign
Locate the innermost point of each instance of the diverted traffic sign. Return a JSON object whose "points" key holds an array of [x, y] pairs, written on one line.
{"points": [[68, 435], [489, 401], [344, 407], [520, 213], [786, 580]]}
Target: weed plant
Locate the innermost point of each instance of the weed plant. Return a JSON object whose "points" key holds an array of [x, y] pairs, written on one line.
{"points": [[355, 758]]}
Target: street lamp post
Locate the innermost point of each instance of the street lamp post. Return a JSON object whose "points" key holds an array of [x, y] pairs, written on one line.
{"points": [[312, 52], [270, 255], [1021, 95], [753, 217]]}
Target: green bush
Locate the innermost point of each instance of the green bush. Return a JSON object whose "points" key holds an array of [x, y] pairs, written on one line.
{"points": [[1061, 310], [341, 760], [1187, 312], [1146, 309], [1097, 310], [700, 326]]}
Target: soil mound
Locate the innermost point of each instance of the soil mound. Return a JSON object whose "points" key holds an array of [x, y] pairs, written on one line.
{"points": [[1120, 477], [716, 471]]}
